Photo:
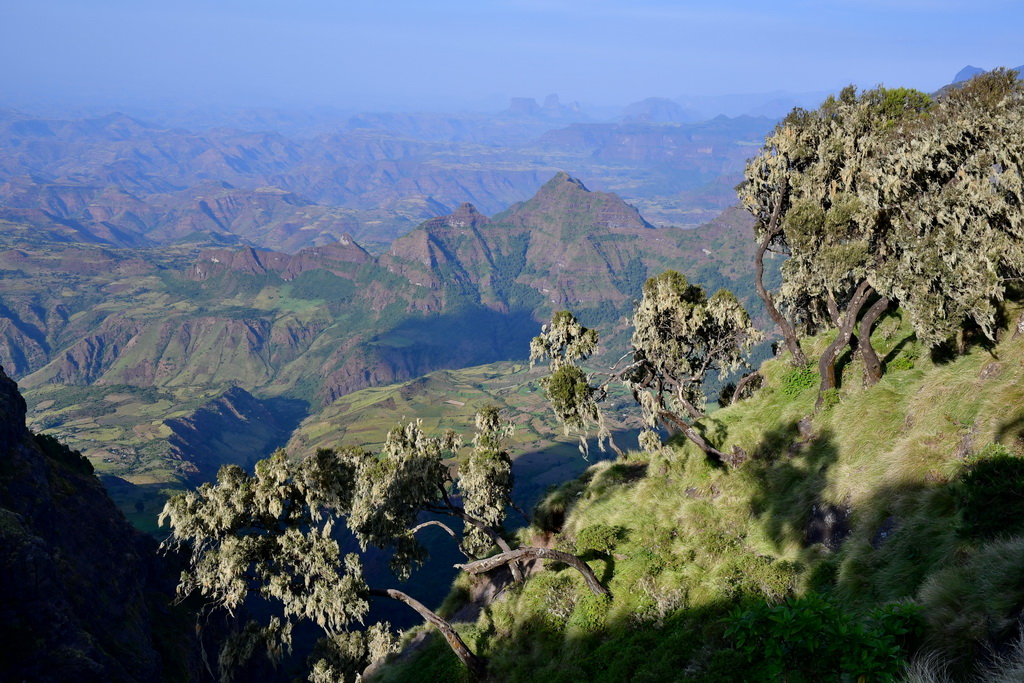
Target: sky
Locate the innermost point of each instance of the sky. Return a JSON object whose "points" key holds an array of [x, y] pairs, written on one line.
{"points": [[456, 53]]}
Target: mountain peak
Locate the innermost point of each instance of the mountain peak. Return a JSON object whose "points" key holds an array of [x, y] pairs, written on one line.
{"points": [[967, 73], [564, 199], [562, 178]]}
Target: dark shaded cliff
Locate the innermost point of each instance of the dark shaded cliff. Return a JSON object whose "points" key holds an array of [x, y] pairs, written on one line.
{"points": [[80, 589]]}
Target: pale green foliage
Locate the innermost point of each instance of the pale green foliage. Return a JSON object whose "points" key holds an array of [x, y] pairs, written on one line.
{"points": [[240, 647], [262, 529], [485, 478], [391, 491], [833, 225], [919, 199], [574, 400], [343, 656], [959, 229], [268, 533], [271, 533], [565, 341], [680, 337]]}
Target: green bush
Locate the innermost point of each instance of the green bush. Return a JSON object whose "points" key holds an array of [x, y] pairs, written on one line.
{"points": [[598, 537], [904, 361], [746, 575], [799, 379], [591, 612], [810, 639]]}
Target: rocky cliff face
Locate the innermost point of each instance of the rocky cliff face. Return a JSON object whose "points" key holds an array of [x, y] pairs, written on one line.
{"points": [[74, 575]]}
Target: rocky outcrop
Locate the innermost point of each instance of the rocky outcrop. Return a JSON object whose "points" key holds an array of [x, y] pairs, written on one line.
{"points": [[74, 575]]}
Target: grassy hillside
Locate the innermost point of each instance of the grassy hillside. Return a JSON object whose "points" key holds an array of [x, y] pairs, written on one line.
{"points": [[908, 492], [446, 399]]}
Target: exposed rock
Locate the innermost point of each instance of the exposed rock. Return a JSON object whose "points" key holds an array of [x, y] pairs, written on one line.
{"points": [[342, 258], [966, 446], [991, 370], [828, 525]]}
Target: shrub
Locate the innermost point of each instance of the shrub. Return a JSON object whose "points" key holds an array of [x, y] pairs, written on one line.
{"points": [[806, 639], [590, 613], [904, 361], [799, 379], [598, 537]]}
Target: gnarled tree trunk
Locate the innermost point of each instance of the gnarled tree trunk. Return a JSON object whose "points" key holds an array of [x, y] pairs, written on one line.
{"points": [[742, 384], [872, 365], [477, 665], [827, 362], [517, 574], [531, 553], [737, 456], [788, 333]]}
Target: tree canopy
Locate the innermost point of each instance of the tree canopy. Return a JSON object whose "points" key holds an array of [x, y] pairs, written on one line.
{"points": [[680, 336], [274, 534], [886, 195]]}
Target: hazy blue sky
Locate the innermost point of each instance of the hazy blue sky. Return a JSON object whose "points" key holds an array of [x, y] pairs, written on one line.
{"points": [[423, 53]]}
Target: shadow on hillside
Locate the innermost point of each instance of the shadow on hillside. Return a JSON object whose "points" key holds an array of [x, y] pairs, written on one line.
{"points": [[1011, 433], [473, 336], [895, 351], [790, 499], [777, 442], [581, 641]]}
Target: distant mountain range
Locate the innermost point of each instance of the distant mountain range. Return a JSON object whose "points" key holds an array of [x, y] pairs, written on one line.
{"points": [[118, 181], [969, 72], [86, 328]]}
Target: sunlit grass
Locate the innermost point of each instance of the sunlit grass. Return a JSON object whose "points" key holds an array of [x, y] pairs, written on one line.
{"points": [[701, 538]]}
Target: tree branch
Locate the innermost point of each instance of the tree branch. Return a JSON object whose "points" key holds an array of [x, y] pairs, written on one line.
{"points": [[476, 665], [532, 553], [872, 366], [461, 513], [827, 363], [737, 394], [772, 229], [447, 528]]}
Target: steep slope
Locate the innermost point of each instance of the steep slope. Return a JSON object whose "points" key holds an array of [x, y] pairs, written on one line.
{"points": [[77, 582], [906, 494]]}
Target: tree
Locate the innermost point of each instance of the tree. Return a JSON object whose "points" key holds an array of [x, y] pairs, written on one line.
{"points": [[952, 196], [272, 534], [813, 189], [680, 336], [886, 196]]}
